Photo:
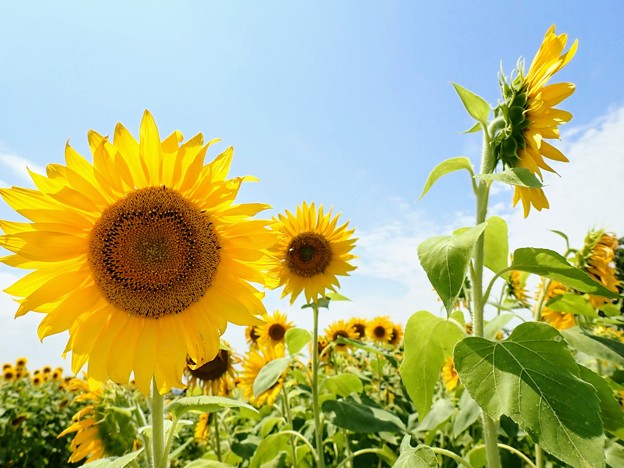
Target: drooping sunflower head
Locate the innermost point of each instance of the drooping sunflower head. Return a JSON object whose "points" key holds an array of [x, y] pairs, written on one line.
{"points": [[450, 378], [379, 329], [253, 362], [557, 319], [275, 328], [516, 287], [359, 324], [215, 377], [337, 329], [396, 335], [598, 259], [527, 116], [142, 255], [99, 431], [311, 252]]}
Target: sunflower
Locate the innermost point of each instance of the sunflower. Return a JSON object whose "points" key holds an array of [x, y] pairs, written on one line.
{"points": [[274, 330], [379, 329], [37, 379], [516, 286], [57, 375], [99, 431], [253, 362], [45, 370], [311, 251], [252, 335], [21, 362], [559, 320], [215, 377], [527, 116], [396, 335], [6, 366], [337, 329], [450, 378], [141, 255], [8, 374], [202, 428], [359, 324], [597, 258]]}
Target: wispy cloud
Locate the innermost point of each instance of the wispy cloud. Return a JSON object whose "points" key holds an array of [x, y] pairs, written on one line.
{"points": [[17, 165]]}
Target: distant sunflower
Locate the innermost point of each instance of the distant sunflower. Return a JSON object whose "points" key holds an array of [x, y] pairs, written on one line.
{"points": [[99, 432], [8, 374], [6, 366], [559, 320], [252, 335], [215, 377], [379, 329], [37, 379], [253, 362], [449, 375], [21, 362], [359, 324], [516, 287], [337, 329], [143, 255], [275, 328], [597, 258], [311, 252], [396, 335], [529, 116], [202, 428]]}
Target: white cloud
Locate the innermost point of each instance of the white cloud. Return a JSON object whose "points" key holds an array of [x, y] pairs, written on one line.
{"points": [[18, 164]]}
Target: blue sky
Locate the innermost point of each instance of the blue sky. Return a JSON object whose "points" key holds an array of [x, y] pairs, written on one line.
{"points": [[348, 104]]}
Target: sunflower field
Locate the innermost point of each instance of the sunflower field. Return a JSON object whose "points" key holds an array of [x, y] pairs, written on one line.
{"points": [[143, 257]]}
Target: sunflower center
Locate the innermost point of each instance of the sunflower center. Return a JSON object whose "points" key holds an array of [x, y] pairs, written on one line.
{"points": [[153, 253], [360, 329], [379, 332], [213, 370], [277, 332], [308, 254], [337, 335]]}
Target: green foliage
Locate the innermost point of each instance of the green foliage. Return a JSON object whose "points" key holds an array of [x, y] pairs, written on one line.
{"points": [[296, 339], [445, 259], [532, 378], [572, 304], [477, 107], [359, 417], [446, 167], [496, 244], [516, 176], [344, 384], [598, 347], [415, 457], [269, 375], [204, 404], [115, 462]]}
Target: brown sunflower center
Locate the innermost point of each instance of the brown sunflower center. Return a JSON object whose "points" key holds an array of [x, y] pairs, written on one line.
{"points": [[277, 332], [213, 370], [153, 253], [338, 334], [308, 254], [360, 329], [379, 331]]}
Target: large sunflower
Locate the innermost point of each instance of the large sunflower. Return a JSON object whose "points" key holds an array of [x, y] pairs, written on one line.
{"points": [[215, 377], [143, 255], [253, 362], [311, 252], [274, 330], [530, 117]]}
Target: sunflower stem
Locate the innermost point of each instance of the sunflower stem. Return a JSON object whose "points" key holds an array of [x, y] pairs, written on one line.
{"points": [[318, 428], [217, 436], [290, 424], [158, 428], [487, 166]]}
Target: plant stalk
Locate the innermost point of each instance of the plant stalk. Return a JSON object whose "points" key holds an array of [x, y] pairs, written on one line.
{"points": [[290, 423], [217, 436], [158, 428], [318, 428]]}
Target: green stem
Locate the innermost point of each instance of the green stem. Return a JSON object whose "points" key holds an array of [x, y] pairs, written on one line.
{"points": [[217, 436], [539, 456], [487, 166], [158, 428], [540, 305], [454, 456], [143, 422], [290, 423], [170, 435], [318, 428], [305, 441], [358, 453]]}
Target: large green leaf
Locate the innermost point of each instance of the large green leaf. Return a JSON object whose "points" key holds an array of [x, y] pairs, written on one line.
{"points": [[610, 409], [115, 462], [269, 375], [446, 167], [492, 327], [204, 404], [415, 457], [344, 384], [467, 415], [598, 347], [445, 259], [296, 339], [358, 417], [477, 107], [552, 265], [428, 340], [516, 176], [440, 412], [271, 448], [533, 378], [571, 303], [496, 244]]}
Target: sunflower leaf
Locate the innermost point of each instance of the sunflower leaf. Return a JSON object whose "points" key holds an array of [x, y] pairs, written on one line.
{"points": [[446, 167], [415, 457], [496, 245], [533, 378], [269, 375], [296, 339], [477, 107], [344, 384], [115, 462], [475, 128], [517, 176], [445, 259], [595, 346], [572, 304], [334, 296], [550, 264], [360, 418], [204, 404], [610, 410], [428, 341]]}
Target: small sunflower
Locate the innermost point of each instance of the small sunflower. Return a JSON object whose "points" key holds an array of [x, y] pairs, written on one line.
{"points": [[274, 330], [45, 370], [8, 374], [337, 329], [450, 378], [359, 324], [37, 379], [21, 362], [597, 258], [527, 116], [99, 432], [142, 255], [379, 329], [6, 366], [516, 287], [202, 428], [396, 335], [311, 252], [253, 362], [559, 320], [215, 377], [252, 335]]}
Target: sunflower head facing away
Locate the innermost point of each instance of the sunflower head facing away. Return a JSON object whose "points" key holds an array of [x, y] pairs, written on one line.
{"points": [[311, 252], [142, 254], [527, 116], [598, 259], [273, 332]]}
